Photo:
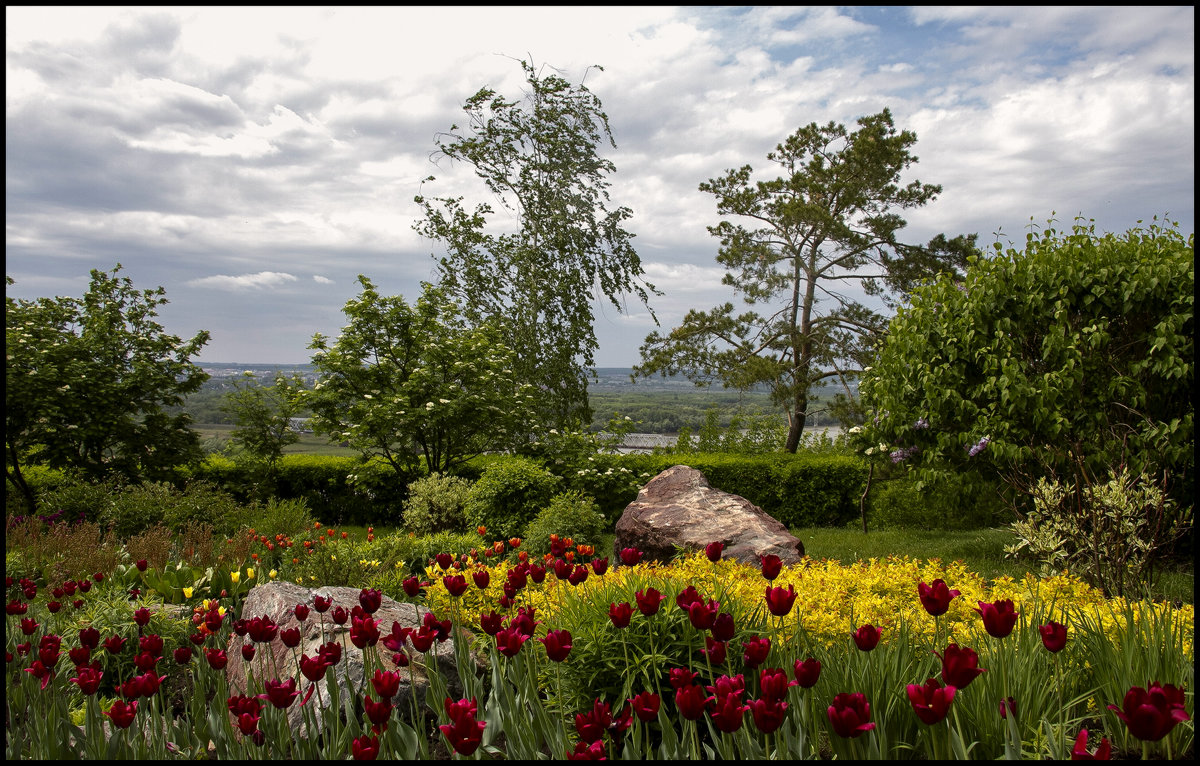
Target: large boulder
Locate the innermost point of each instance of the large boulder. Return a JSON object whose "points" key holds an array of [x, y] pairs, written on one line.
{"points": [[680, 509], [278, 601]]}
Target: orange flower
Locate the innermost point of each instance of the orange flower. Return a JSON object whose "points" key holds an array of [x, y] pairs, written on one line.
{"points": [[295, 561], [553, 538], [370, 538], [316, 525], [569, 543], [270, 546], [523, 556], [345, 535], [569, 555], [482, 530], [329, 532], [254, 556], [514, 542]]}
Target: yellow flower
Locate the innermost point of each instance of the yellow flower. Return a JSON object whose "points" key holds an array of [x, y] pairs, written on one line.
{"points": [[235, 577], [187, 592], [273, 574], [250, 573]]}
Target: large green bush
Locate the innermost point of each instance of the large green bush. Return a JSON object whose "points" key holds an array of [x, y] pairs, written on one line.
{"points": [[569, 514], [435, 504], [508, 496], [130, 510]]}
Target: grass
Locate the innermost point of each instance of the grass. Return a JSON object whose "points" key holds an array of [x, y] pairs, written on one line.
{"points": [[309, 444]]}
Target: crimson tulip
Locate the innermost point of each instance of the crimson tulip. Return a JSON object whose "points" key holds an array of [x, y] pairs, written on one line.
{"points": [[301, 612], [1080, 752], [578, 575], [145, 661], [39, 671], [773, 684], [313, 668], [729, 713], [631, 556], [88, 679], [114, 644], [866, 637], [456, 585], [780, 601], [422, 640], [703, 616], [262, 629], [142, 565], [464, 733], [29, 626], [444, 560], [377, 712], [322, 603], [771, 566], [1054, 636], [723, 628], [142, 617], [713, 551], [850, 714], [681, 677], [216, 658], [80, 655], [620, 614], [936, 598], [1151, 713], [509, 641], [151, 643], [807, 672], [600, 566], [585, 751], [340, 615], [1006, 705], [290, 637], [691, 700], [281, 694], [931, 702], [492, 622], [768, 714], [481, 577], [364, 632], [715, 650], [440, 627], [648, 601], [386, 683], [558, 644], [960, 666], [89, 637], [365, 748], [592, 725], [999, 618], [53, 606], [645, 706], [121, 714], [370, 599], [755, 651], [330, 652]]}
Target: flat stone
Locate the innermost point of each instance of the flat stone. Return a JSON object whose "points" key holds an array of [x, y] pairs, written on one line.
{"points": [[679, 509]]}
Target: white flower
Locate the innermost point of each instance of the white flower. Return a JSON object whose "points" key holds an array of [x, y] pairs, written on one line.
{"points": [[429, 405], [856, 430]]}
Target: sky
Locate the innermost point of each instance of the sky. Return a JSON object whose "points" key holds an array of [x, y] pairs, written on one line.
{"points": [[254, 161]]}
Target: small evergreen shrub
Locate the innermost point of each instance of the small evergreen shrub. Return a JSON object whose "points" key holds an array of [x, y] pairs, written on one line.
{"points": [[508, 496], [570, 514], [435, 504], [290, 518]]}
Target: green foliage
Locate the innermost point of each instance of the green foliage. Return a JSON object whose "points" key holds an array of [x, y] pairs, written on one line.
{"points": [[263, 416], [539, 157], [403, 382], [753, 434], [954, 502], [1108, 533], [291, 518], [435, 504], [508, 496], [88, 381], [569, 514], [830, 217], [128, 511], [1067, 358]]}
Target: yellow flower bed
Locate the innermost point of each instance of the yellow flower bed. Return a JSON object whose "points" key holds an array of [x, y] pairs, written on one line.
{"points": [[831, 598]]}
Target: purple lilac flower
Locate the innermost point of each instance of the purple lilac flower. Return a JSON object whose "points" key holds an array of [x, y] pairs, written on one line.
{"points": [[979, 446], [921, 424], [904, 453]]}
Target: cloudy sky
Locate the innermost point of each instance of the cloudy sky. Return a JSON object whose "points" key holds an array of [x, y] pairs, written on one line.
{"points": [[254, 161]]}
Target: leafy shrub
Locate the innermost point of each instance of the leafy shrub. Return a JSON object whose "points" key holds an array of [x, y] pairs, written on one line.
{"points": [[1109, 533], [435, 504], [508, 496], [956, 502], [570, 514], [281, 517]]}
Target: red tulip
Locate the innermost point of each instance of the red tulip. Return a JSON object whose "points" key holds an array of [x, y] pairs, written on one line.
{"points": [[768, 714], [322, 604], [463, 732], [28, 626], [936, 598], [290, 637], [645, 706], [771, 566], [365, 748], [592, 725], [301, 612], [723, 628], [931, 702], [584, 751], [631, 556], [807, 672], [122, 714], [364, 632], [558, 644], [114, 644], [998, 617], [562, 569], [216, 658], [88, 679], [866, 637], [444, 560], [370, 600], [142, 565], [713, 551], [145, 661], [456, 585], [691, 700], [681, 677], [537, 573], [262, 629], [142, 617], [152, 644], [53, 606], [340, 615], [422, 640], [40, 672], [715, 650], [509, 641], [331, 652], [182, 655], [377, 712], [1151, 713], [703, 616], [773, 684], [578, 575], [850, 715], [648, 601], [620, 614], [281, 694], [247, 652], [960, 666], [491, 623], [1054, 636], [756, 651], [481, 577], [441, 627], [729, 713], [313, 668], [780, 601], [1006, 705], [89, 637], [80, 655], [1080, 752], [15, 608], [600, 566], [386, 683]]}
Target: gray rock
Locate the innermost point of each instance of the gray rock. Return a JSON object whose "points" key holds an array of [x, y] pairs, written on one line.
{"points": [[278, 601], [679, 509]]}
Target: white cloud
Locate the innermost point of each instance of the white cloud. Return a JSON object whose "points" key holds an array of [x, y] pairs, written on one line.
{"points": [[263, 280], [322, 280]]}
